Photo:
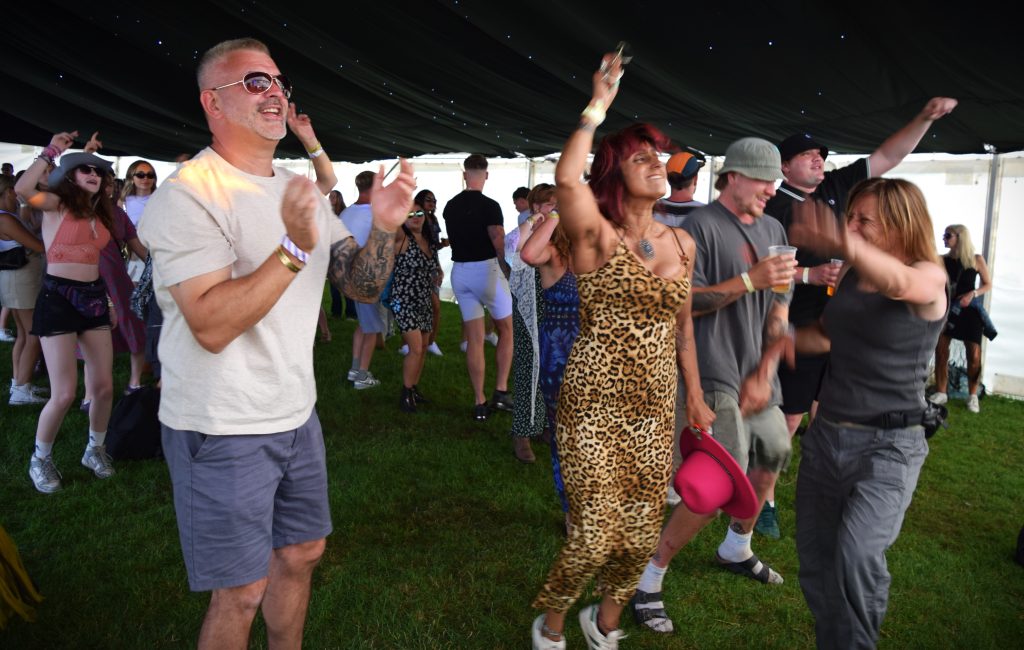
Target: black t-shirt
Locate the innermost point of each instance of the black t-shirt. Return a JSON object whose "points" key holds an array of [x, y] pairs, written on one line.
{"points": [[466, 218], [809, 300]]}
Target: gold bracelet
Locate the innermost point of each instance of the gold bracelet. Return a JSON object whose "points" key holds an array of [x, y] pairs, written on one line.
{"points": [[283, 256]]}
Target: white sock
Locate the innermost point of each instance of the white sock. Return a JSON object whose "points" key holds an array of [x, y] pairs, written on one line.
{"points": [[735, 547], [43, 449], [97, 438], [771, 502], [651, 579]]}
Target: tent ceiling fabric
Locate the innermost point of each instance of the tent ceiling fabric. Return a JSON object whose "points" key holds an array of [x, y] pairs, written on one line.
{"points": [[381, 79]]}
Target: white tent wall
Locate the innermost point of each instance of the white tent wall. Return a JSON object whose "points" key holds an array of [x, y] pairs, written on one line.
{"points": [[957, 189]]}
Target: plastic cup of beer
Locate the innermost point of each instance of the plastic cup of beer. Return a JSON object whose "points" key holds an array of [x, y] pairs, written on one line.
{"points": [[788, 251], [831, 290]]}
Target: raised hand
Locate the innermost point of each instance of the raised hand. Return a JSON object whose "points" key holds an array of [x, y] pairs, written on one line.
{"points": [[606, 80], [301, 126], [938, 107], [390, 205], [63, 140], [298, 212], [94, 144]]}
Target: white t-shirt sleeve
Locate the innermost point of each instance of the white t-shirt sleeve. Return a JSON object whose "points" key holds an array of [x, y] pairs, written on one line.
{"points": [[183, 237]]}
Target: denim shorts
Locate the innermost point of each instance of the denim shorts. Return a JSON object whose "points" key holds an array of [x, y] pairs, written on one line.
{"points": [[239, 497]]}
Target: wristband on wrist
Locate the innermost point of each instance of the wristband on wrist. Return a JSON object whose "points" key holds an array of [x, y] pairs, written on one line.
{"points": [[316, 147], [594, 113], [316, 154], [746, 281], [807, 275], [289, 245], [281, 255]]}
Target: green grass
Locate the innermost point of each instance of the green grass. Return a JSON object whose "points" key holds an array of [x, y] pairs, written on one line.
{"points": [[442, 539]]}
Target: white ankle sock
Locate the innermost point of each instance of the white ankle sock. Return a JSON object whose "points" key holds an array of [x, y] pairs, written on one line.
{"points": [[735, 547], [97, 438], [651, 579], [43, 449]]}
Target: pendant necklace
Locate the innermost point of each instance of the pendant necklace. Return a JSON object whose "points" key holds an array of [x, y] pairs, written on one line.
{"points": [[645, 246]]}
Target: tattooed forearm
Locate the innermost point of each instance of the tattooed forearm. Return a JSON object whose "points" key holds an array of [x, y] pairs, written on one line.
{"points": [[706, 302], [361, 273], [774, 329]]}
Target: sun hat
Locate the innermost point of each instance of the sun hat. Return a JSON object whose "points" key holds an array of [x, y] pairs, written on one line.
{"points": [[709, 478], [799, 143], [71, 160], [754, 158], [685, 164]]}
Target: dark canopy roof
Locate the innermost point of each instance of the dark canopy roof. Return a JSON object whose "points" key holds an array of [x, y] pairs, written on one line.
{"points": [[404, 78]]}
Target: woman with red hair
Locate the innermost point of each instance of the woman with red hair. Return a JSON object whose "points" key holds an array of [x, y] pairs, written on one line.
{"points": [[616, 404]]}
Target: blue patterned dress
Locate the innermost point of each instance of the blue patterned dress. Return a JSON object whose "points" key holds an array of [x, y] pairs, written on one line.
{"points": [[558, 328]]}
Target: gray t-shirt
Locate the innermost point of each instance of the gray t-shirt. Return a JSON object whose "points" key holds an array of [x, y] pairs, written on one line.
{"points": [[729, 341], [206, 216]]}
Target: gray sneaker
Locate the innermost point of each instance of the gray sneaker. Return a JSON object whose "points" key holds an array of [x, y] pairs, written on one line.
{"points": [[25, 395], [44, 474], [98, 460], [353, 374], [366, 380]]}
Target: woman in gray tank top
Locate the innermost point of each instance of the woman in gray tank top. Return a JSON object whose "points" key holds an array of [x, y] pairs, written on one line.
{"points": [[863, 453]]}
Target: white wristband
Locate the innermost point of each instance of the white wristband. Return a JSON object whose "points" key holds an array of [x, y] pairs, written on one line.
{"points": [[290, 246], [807, 275], [315, 153], [746, 281]]}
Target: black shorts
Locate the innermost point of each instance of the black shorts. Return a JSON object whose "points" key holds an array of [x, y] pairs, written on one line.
{"points": [[65, 306], [965, 326], [800, 385]]}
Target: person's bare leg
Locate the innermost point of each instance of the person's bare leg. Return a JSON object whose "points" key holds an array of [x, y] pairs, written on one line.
{"points": [[138, 362], [475, 363], [357, 346], [973, 367], [793, 421], [503, 355], [28, 354], [62, 368], [366, 352], [413, 361], [435, 304], [683, 525], [608, 615], [325, 330], [554, 621], [229, 617], [287, 595], [762, 480], [98, 352], [942, 364]]}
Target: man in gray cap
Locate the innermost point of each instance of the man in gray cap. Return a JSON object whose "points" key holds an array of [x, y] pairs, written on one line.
{"points": [[740, 330]]}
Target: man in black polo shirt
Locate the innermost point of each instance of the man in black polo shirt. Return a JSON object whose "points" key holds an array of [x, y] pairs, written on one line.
{"points": [[803, 165], [479, 277]]}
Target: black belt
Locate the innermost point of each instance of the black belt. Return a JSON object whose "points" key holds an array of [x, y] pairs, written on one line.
{"points": [[895, 420]]}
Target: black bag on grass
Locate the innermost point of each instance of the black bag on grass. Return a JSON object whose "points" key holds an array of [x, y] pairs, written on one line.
{"points": [[134, 430]]}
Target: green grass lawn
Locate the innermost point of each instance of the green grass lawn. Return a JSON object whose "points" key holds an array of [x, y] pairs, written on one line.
{"points": [[441, 538]]}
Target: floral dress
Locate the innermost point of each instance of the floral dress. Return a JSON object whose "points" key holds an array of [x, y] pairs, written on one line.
{"points": [[412, 285]]}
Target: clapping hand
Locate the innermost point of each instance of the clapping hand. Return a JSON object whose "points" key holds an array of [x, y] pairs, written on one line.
{"points": [[390, 204]]}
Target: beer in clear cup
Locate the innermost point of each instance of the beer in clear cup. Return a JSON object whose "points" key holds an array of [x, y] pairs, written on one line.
{"points": [[788, 251]]}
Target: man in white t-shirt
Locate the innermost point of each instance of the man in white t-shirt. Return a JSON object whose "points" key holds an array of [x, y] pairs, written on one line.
{"points": [[240, 249]]}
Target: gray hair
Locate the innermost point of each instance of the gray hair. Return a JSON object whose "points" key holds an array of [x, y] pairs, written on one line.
{"points": [[213, 55]]}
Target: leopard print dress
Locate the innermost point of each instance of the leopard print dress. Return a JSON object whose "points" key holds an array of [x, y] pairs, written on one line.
{"points": [[614, 428]]}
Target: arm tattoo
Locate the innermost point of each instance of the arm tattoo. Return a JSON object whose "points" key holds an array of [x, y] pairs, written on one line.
{"points": [[361, 273], [705, 302], [774, 329]]}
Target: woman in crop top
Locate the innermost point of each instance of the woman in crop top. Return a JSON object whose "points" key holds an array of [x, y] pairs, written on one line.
{"points": [[864, 450], [73, 308]]}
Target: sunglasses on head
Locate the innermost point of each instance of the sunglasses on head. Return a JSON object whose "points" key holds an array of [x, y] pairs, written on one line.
{"points": [[149, 175], [90, 169], [257, 83], [414, 214]]}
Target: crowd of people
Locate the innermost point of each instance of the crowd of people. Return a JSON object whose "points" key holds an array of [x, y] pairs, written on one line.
{"points": [[619, 315]]}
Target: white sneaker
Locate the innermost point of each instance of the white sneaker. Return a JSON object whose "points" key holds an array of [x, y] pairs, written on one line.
{"points": [[463, 345], [673, 497], [592, 633], [44, 474], [434, 350], [366, 380], [938, 398], [541, 642], [492, 338], [404, 350], [353, 374], [6, 336], [21, 395], [972, 404], [98, 460]]}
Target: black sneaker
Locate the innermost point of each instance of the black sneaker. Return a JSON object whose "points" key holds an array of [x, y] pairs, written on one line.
{"points": [[481, 412], [501, 401], [418, 396]]}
